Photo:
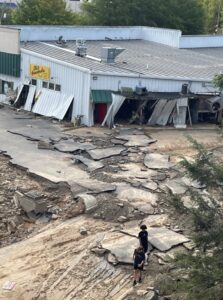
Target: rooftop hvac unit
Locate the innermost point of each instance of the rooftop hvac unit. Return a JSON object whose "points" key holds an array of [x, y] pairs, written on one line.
{"points": [[81, 49], [109, 54]]}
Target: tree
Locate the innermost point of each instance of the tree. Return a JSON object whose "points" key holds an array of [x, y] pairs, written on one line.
{"points": [[41, 12], [218, 81], [214, 15], [5, 15], [204, 266], [185, 15]]}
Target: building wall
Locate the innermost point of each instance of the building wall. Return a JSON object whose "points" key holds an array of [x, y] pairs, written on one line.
{"points": [[10, 40], [153, 85], [73, 82], [201, 41], [164, 36], [52, 33]]}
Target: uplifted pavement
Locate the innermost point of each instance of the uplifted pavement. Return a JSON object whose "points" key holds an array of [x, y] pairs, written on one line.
{"points": [[22, 148]]}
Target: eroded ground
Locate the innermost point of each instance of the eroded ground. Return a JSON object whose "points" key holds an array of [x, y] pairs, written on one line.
{"points": [[98, 186]]}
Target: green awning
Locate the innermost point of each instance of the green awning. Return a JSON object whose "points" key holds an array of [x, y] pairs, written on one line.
{"points": [[101, 96]]}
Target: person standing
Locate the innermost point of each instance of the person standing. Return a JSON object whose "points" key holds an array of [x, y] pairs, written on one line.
{"points": [[143, 238], [139, 260]]}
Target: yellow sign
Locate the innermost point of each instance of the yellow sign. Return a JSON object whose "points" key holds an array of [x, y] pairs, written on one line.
{"points": [[39, 72]]}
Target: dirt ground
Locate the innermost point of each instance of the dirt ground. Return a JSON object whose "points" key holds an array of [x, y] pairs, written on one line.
{"points": [[54, 260]]}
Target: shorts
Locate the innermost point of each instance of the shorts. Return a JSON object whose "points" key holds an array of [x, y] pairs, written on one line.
{"points": [[138, 268], [145, 248]]}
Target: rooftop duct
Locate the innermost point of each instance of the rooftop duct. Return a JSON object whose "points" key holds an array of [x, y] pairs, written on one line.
{"points": [[81, 49], [109, 54]]}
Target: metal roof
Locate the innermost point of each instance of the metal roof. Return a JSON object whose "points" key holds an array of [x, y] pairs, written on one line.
{"points": [[213, 52], [141, 57]]}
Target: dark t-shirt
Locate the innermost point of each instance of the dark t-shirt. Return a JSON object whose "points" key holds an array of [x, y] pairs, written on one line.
{"points": [[143, 237], [139, 258]]}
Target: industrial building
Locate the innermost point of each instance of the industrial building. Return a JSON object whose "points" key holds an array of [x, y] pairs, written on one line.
{"points": [[109, 74]]}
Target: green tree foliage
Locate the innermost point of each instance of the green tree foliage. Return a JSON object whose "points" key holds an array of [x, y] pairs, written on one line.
{"points": [[218, 81], [214, 15], [5, 15], [187, 15], [42, 12], [204, 266]]}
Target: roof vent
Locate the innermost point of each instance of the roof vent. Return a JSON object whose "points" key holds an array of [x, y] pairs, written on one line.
{"points": [[109, 54], [61, 42], [81, 49]]}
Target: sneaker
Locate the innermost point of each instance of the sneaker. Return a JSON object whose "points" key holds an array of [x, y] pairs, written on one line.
{"points": [[134, 283], [140, 280]]}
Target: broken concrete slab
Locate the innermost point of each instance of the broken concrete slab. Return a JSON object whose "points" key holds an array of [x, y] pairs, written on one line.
{"points": [[28, 204], [153, 186], [91, 164], [90, 202], [118, 142], [157, 161], [170, 254], [164, 239], [72, 146], [156, 220], [161, 238], [136, 140], [101, 153], [121, 246], [90, 187], [127, 193], [45, 145], [144, 201], [176, 186], [132, 170]]}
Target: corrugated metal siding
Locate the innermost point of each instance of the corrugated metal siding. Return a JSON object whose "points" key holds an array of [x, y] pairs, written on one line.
{"points": [[10, 64], [152, 85], [73, 82], [202, 41], [52, 104], [30, 98]]}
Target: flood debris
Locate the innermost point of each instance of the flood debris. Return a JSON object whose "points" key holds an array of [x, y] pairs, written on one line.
{"points": [[90, 202], [143, 201], [101, 153], [157, 161], [71, 146], [135, 140], [29, 203]]}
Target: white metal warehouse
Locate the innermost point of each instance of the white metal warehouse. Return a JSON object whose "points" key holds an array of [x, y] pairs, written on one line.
{"points": [[57, 79]]}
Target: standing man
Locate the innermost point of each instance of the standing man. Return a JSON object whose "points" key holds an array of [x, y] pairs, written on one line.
{"points": [[139, 260], [143, 238]]}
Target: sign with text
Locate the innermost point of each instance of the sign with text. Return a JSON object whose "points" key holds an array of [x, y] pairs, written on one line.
{"points": [[39, 72]]}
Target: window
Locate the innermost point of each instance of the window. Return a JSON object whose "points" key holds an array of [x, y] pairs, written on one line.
{"points": [[34, 82], [45, 85], [51, 86], [57, 87]]}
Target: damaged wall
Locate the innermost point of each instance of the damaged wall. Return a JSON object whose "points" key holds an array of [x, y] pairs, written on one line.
{"points": [[73, 82], [114, 83]]}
